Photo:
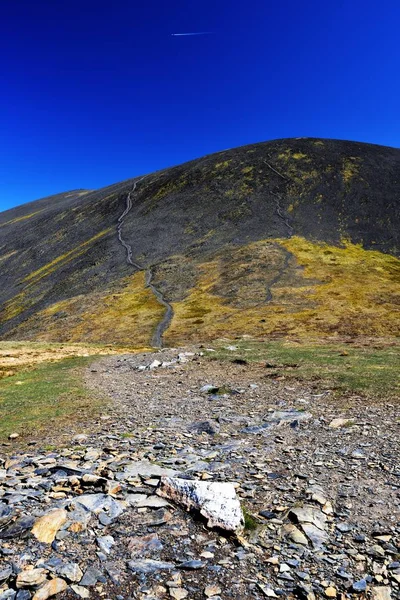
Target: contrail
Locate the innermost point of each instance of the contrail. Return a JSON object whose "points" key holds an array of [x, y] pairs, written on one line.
{"points": [[194, 33]]}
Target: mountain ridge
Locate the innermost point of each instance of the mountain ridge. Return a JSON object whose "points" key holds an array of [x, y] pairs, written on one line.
{"points": [[237, 222]]}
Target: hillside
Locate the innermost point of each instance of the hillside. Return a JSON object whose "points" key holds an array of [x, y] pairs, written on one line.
{"points": [[296, 237]]}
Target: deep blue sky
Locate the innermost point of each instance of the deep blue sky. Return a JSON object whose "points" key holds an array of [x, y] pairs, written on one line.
{"points": [[96, 92]]}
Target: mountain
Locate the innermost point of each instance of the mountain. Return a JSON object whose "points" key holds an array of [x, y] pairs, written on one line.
{"points": [[293, 237]]}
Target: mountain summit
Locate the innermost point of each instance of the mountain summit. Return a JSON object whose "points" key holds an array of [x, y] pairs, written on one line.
{"points": [[296, 237]]}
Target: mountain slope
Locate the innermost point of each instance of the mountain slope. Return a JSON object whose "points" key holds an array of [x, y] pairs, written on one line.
{"points": [[291, 237]]}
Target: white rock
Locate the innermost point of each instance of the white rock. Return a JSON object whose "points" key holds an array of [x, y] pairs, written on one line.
{"points": [[339, 422], [381, 592], [217, 502], [81, 591], [155, 364]]}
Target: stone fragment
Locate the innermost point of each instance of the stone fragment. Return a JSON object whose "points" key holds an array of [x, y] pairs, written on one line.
{"points": [[359, 586], [308, 514], [381, 592], [31, 578], [148, 565], [267, 590], [178, 593], [91, 576], [13, 436], [217, 502], [212, 590], [18, 528], [80, 591], [339, 422], [8, 595], [24, 595], [192, 565], [105, 543], [295, 534], [142, 545], [330, 592], [210, 427], [46, 527], [316, 536], [144, 468], [51, 588], [98, 502], [70, 571], [5, 573], [152, 502]]}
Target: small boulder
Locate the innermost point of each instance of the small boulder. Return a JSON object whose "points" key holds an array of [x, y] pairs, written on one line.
{"points": [[215, 501], [31, 578], [51, 588], [46, 527]]}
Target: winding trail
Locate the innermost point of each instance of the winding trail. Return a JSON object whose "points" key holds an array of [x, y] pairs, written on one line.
{"points": [[162, 326], [281, 214]]}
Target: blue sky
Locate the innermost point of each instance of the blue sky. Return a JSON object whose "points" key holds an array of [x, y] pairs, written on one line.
{"points": [[93, 93]]}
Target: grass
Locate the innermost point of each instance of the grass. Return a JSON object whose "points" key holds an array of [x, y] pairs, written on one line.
{"points": [[366, 370], [125, 316], [21, 356], [48, 398], [316, 291]]}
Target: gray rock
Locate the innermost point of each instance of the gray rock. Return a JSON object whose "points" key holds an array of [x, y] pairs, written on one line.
{"points": [[5, 573], [209, 389], [317, 537], [359, 586], [8, 595], [70, 571], [144, 468], [105, 543], [191, 565], [24, 595], [344, 527], [91, 577], [210, 427], [18, 528], [97, 502], [6, 514], [148, 565], [308, 514]]}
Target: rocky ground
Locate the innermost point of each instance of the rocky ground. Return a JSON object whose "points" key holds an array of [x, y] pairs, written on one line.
{"points": [[317, 478]]}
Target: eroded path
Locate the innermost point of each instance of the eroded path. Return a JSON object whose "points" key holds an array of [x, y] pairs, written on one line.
{"points": [[162, 326], [321, 498]]}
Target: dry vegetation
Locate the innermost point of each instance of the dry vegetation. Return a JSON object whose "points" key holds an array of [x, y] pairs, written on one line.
{"points": [[322, 290]]}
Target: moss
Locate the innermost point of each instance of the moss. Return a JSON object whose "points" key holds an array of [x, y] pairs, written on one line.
{"points": [[338, 290], [223, 165], [250, 523], [126, 315], [350, 168], [64, 258], [20, 219]]}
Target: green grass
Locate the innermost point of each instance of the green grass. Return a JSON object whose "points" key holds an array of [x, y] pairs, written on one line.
{"points": [[366, 370], [46, 400]]}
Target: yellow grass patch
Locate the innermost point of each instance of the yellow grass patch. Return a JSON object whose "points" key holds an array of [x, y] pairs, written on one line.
{"points": [[323, 290], [64, 258], [125, 316], [23, 218]]}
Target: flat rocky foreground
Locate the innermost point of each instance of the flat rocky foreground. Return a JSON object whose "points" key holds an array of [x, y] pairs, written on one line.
{"points": [[317, 479]]}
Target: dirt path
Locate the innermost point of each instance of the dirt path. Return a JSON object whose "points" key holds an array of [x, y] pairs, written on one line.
{"points": [[162, 326], [321, 503]]}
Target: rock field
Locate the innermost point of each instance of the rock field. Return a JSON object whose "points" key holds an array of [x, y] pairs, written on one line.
{"points": [[204, 480]]}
